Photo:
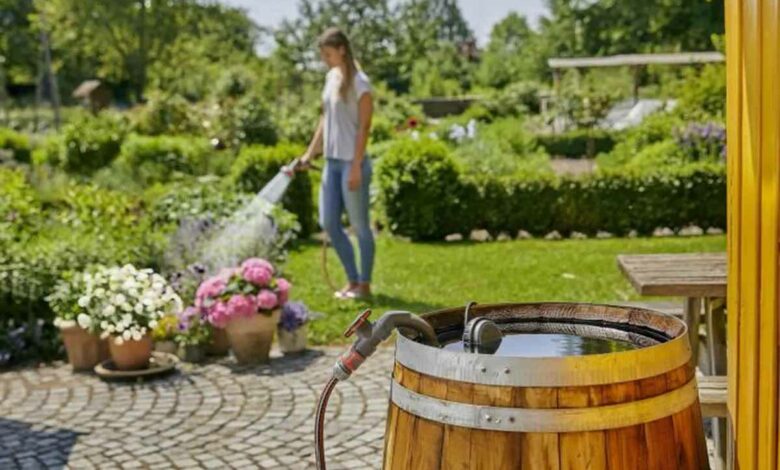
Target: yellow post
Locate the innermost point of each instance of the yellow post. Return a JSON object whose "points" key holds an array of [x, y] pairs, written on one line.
{"points": [[753, 108]]}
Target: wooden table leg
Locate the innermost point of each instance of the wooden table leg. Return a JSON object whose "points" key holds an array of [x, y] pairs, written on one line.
{"points": [[716, 359], [692, 316]]}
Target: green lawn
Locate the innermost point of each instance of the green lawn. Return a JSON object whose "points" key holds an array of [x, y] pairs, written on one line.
{"points": [[420, 277]]}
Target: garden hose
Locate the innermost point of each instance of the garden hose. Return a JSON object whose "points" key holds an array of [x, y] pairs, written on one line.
{"points": [[319, 423], [325, 273]]}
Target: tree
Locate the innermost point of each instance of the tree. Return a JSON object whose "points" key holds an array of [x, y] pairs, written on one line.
{"points": [[18, 42], [125, 39], [509, 56]]}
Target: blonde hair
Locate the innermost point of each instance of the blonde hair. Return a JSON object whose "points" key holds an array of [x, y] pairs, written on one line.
{"points": [[336, 38]]}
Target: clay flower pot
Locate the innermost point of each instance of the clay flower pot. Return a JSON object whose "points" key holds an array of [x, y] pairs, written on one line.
{"points": [[85, 350], [192, 353], [251, 337], [291, 342], [166, 346], [131, 355], [219, 345]]}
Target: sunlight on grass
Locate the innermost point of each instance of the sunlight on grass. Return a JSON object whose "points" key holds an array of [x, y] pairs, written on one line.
{"points": [[421, 277]]}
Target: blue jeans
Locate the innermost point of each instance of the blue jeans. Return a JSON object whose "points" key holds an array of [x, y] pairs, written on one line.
{"points": [[335, 196]]}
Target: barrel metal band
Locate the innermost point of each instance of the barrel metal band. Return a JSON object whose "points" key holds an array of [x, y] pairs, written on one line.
{"points": [[493, 418], [572, 371]]}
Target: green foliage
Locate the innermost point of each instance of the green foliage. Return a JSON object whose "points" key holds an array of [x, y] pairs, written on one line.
{"points": [[166, 114], [177, 201], [515, 99], [161, 158], [89, 144], [419, 189], [585, 100], [653, 129], [64, 297], [442, 72], [19, 206], [245, 121], [425, 196], [578, 143], [510, 54], [702, 95], [257, 165], [16, 143]]}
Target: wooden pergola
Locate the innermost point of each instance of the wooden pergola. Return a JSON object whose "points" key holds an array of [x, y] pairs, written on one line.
{"points": [[635, 61]]}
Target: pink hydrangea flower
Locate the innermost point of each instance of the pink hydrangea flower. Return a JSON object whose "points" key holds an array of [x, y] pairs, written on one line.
{"points": [[218, 314], [283, 285], [242, 306], [257, 274], [210, 288], [266, 300], [257, 263], [227, 273]]}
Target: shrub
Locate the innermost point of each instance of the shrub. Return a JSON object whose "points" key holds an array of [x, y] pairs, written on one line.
{"points": [[19, 205], [514, 100], [16, 143], [167, 114], [703, 93], [257, 165], [245, 121], [425, 196], [420, 189], [575, 144], [160, 158], [202, 200], [91, 143]]}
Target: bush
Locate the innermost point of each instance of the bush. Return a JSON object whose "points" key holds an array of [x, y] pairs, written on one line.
{"points": [[574, 144], [420, 189], [257, 165], [91, 143], [16, 143], [19, 206], [514, 100], [246, 121], [167, 114], [703, 93], [202, 200], [160, 158], [425, 196]]}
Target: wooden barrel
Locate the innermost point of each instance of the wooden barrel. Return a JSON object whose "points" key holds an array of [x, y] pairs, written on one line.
{"points": [[632, 410]]}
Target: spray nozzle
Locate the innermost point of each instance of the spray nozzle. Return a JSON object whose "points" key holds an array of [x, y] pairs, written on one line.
{"points": [[370, 335]]}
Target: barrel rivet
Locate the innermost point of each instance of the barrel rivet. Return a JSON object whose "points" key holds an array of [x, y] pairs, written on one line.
{"points": [[511, 419], [506, 370], [483, 369], [488, 418]]}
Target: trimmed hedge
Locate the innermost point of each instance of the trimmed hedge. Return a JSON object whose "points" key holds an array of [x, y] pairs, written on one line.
{"points": [[157, 159], [425, 196], [17, 143], [256, 165], [574, 144]]}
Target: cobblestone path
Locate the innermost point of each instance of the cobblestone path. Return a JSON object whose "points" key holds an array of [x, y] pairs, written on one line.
{"points": [[216, 415]]}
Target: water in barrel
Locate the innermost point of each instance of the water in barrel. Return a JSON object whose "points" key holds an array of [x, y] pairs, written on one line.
{"points": [[552, 345]]}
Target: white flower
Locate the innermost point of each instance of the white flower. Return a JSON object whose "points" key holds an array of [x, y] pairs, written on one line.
{"points": [[118, 341], [152, 324], [139, 308], [126, 307], [83, 301], [99, 292], [137, 335], [119, 299], [127, 335], [127, 318], [84, 320], [60, 323], [119, 328], [109, 310]]}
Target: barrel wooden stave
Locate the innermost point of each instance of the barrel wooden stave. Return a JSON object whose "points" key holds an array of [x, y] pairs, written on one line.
{"points": [[673, 442]]}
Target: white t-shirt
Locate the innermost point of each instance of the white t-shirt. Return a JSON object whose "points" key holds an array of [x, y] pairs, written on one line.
{"points": [[340, 115]]}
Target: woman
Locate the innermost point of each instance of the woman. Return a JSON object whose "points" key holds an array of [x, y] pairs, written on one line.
{"points": [[342, 135]]}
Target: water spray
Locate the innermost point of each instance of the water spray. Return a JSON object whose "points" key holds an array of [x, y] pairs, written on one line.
{"points": [[369, 336]]}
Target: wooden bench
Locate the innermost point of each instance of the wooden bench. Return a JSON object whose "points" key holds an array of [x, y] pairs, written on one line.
{"points": [[712, 396]]}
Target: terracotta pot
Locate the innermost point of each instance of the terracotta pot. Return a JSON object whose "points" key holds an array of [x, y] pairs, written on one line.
{"points": [[192, 353], [85, 350], [131, 355], [251, 337], [166, 346], [219, 345], [291, 342]]}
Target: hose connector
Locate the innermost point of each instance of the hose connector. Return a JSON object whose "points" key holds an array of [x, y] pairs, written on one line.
{"points": [[370, 335]]}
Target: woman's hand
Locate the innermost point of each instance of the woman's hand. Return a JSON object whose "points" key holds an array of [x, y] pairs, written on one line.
{"points": [[355, 176], [304, 162]]}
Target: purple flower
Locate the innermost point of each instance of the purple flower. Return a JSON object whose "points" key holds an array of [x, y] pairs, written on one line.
{"points": [[294, 315]]}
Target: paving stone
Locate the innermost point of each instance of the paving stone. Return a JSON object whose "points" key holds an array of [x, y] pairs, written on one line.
{"points": [[214, 415]]}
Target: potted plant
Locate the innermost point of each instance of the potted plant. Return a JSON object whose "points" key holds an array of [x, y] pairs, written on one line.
{"points": [[193, 337], [164, 334], [246, 302], [83, 345], [127, 303], [292, 327]]}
